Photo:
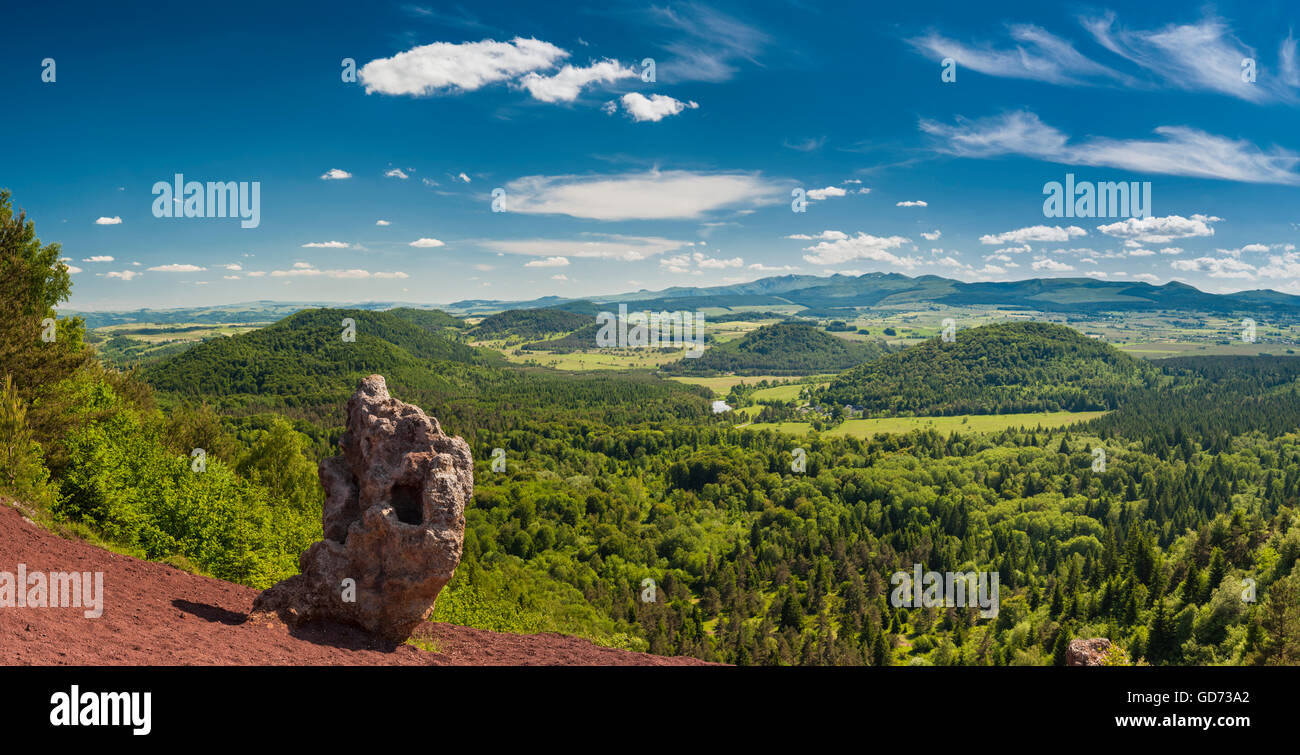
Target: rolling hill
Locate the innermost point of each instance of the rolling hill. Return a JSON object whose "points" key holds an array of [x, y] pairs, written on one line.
{"points": [[530, 323], [306, 355], [784, 348], [301, 365], [995, 369]]}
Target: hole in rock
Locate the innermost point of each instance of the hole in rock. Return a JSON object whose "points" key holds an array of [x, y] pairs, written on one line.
{"points": [[408, 504]]}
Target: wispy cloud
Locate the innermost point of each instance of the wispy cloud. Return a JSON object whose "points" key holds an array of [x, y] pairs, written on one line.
{"points": [[1037, 55], [1177, 150], [711, 45], [1203, 56]]}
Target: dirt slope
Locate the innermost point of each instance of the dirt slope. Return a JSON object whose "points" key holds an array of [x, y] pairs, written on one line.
{"points": [[157, 615]]}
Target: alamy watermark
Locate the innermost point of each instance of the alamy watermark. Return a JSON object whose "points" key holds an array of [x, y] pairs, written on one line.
{"points": [[58, 589], [215, 199], [918, 589], [1103, 199], [640, 330]]}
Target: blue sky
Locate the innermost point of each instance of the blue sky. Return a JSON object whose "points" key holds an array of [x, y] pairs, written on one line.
{"points": [[613, 183]]}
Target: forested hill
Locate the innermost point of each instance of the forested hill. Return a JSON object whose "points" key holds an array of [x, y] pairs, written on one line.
{"points": [[530, 323], [785, 348], [302, 367], [306, 354], [432, 320], [994, 369]]}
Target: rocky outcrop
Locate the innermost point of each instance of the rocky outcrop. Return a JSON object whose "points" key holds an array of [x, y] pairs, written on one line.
{"points": [[1087, 652], [394, 521]]}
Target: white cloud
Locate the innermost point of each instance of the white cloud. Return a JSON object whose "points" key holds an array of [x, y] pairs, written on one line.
{"points": [[73, 269], [176, 268], [427, 243], [1282, 266], [1052, 266], [593, 246], [1034, 233], [656, 195], [382, 222], [98, 258], [654, 108], [823, 236], [829, 191], [115, 220], [1148, 277], [325, 245], [1216, 267], [334, 174], [566, 85], [713, 263], [911, 203], [462, 177], [302, 269], [862, 246], [447, 68], [759, 267], [680, 263], [233, 267], [396, 173], [931, 235], [1160, 230], [125, 275], [1179, 150], [548, 262]]}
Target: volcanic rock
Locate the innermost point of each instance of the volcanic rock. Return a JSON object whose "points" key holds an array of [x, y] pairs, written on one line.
{"points": [[394, 521], [1087, 652]]}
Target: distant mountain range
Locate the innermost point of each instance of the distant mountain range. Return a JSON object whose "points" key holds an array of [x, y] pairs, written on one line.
{"points": [[823, 296]]}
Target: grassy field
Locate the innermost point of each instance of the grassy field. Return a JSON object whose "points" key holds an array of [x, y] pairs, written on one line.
{"points": [[141, 343], [168, 332], [722, 385], [865, 428], [789, 392], [606, 359], [1162, 350]]}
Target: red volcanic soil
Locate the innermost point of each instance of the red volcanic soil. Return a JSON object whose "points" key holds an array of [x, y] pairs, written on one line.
{"points": [[158, 615]]}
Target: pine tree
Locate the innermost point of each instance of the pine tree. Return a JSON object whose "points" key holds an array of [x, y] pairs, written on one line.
{"points": [[1062, 646]]}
